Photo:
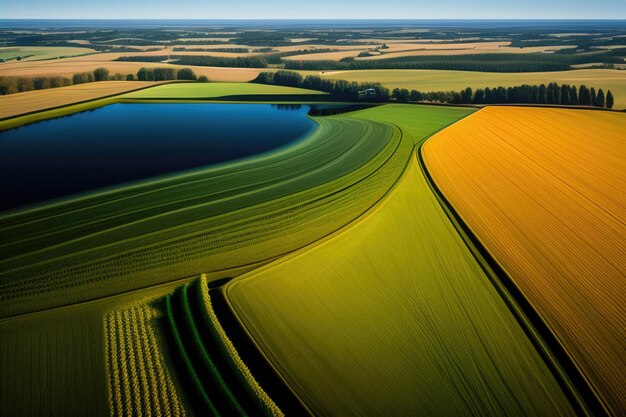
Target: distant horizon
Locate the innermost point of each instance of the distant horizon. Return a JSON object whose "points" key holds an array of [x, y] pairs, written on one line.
{"points": [[320, 10], [563, 24], [320, 19]]}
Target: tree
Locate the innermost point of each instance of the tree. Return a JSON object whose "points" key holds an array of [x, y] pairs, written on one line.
{"points": [[600, 98], [130, 77], [101, 74], [401, 95], [288, 78], [584, 96], [488, 96], [573, 95], [40, 83], [565, 99], [203, 79], [542, 97], [78, 79], [479, 97], [415, 96], [609, 99], [186, 74], [594, 98], [145, 74], [467, 95]]}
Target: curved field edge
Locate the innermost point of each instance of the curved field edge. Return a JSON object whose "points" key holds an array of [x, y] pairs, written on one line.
{"points": [[569, 376], [546, 147], [167, 91], [21, 104], [218, 381], [345, 182], [303, 300]]}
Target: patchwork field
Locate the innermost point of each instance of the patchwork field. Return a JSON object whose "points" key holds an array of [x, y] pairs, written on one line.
{"points": [[396, 298], [439, 80], [544, 190], [237, 249]]}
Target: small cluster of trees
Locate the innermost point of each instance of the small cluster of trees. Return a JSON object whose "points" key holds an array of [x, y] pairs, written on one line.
{"points": [[12, 85], [167, 74], [338, 88], [565, 94]]}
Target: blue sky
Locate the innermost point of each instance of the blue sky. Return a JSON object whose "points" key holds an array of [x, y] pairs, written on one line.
{"points": [[317, 9]]}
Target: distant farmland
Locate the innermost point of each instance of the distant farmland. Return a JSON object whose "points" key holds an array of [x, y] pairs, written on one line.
{"points": [[544, 189]]}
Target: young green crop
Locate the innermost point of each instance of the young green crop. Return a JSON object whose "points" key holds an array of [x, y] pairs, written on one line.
{"points": [[138, 380], [206, 220]]}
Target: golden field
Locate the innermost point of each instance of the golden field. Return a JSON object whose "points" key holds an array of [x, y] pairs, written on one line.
{"points": [[545, 191], [69, 67], [36, 100]]}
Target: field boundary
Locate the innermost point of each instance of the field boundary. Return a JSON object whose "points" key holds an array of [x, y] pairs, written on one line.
{"points": [[76, 103], [576, 387], [244, 341]]}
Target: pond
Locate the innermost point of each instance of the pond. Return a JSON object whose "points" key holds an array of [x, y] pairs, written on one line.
{"points": [[131, 141]]}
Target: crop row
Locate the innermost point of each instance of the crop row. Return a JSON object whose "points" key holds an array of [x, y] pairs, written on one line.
{"points": [[219, 382], [203, 222], [138, 380]]}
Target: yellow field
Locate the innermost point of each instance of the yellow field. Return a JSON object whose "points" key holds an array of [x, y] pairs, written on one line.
{"points": [[30, 101], [545, 190], [439, 80]]}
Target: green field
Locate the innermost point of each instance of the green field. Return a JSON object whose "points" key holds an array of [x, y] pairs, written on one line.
{"points": [[37, 53], [154, 231], [441, 80], [213, 90]]}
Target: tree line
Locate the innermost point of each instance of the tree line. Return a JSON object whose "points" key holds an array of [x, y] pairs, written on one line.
{"points": [[337, 88], [208, 61], [553, 93], [12, 85], [505, 62], [474, 62]]}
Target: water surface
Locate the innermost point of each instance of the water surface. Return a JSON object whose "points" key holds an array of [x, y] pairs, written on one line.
{"points": [[126, 142]]}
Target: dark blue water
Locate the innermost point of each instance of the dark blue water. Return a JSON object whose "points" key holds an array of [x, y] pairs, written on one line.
{"points": [[127, 142]]}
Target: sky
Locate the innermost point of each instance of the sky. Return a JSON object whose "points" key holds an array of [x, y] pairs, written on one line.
{"points": [[317, 9]]}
